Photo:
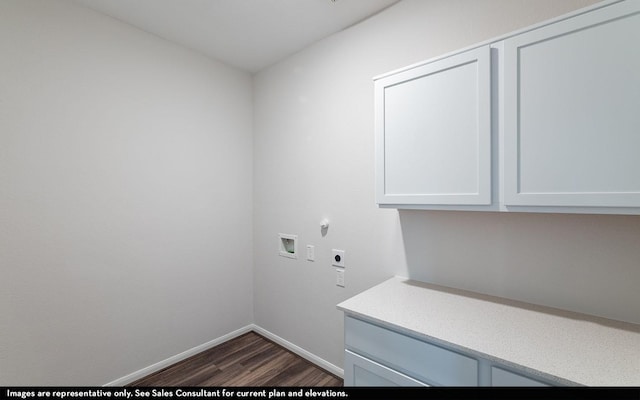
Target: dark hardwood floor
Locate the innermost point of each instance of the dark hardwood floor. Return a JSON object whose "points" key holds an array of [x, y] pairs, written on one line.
{"points": [[248, 360]]}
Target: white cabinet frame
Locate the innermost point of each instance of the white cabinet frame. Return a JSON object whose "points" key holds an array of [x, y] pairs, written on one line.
{"points": [[558, 152], [380, 355], [539, 150], [429, 170]]}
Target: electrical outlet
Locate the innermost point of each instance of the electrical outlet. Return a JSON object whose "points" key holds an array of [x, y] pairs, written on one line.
{"points": [[340, 277], [337, 258], [311, 256]]}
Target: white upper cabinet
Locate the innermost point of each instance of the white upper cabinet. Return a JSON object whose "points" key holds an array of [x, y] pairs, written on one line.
{"points": [[572, 111], [433, 132], [546, 119]]}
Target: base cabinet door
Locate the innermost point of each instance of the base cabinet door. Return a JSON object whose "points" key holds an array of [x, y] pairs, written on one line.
{"points": [[360, 371], [427, 362], [502, 377]]}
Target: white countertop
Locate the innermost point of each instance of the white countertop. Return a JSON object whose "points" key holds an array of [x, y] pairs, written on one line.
{"points": [[564, 347]]}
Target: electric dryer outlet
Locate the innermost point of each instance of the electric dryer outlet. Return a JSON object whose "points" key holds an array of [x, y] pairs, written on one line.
{"points": [[337, 258]]}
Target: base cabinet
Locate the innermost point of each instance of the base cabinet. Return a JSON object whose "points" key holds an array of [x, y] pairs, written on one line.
{"points": [[360, 371], [502, 377], [378, 355], [405, 332]]}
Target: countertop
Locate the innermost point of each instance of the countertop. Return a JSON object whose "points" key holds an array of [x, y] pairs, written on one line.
{"points": [[560, 346]]}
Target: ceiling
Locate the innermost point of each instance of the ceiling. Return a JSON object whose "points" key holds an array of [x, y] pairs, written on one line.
{"points": [[247, 34]]}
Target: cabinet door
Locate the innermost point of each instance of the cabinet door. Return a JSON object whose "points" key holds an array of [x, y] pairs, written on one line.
{"points": [[359, 371], [425, 361], [501, 377], [571, 116], [433, 132]]}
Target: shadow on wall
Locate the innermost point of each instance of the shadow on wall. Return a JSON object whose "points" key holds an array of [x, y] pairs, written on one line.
{"points": [[582, 263]]}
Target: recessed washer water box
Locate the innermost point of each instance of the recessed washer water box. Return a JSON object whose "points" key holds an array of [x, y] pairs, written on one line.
{"points": [[288, 245]]}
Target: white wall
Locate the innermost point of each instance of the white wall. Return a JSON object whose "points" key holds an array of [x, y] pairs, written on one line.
{"points": [[125, 197], [314, 157], [126, 194]]}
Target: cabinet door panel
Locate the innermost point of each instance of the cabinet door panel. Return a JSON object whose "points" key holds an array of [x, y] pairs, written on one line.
{"points": [[433, 132], [410, 356], [572, 126], [359, 371], [501, 377]]}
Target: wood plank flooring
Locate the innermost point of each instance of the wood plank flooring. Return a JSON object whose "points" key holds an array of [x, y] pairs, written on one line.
{"points": [[248, 360]]}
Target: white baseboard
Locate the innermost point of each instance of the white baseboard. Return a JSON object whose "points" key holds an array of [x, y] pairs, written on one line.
{"points": [[300, 351], [205, 346], [178, 357]]}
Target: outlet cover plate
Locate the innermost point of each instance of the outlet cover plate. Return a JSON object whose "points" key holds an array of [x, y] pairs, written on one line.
{"points": [[311, 256], [340, 277], [337, 258]]}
